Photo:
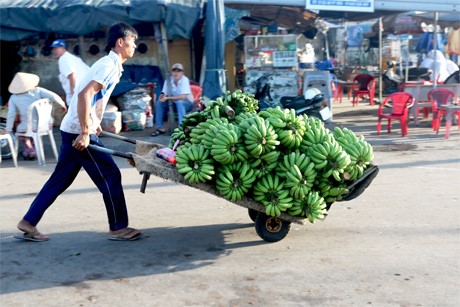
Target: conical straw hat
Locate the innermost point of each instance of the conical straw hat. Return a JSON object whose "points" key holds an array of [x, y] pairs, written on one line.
{"points": [[23, 82]]}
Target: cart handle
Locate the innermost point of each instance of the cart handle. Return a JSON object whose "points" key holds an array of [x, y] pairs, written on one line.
{"points": [[119, 137], [111, 151]]}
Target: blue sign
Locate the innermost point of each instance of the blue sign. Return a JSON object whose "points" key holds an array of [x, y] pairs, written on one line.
{"points": [[341, 5]]}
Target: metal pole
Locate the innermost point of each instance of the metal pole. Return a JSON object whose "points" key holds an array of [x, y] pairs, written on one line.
{"points": [[171, 117], [380, 58], [435, 48], [407, 61]]}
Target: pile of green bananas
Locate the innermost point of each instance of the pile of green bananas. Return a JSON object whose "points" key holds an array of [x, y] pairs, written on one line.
{"points": [[289, 163]]}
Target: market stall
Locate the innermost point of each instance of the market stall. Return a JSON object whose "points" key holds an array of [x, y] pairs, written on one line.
{"points": [[275, 57]]}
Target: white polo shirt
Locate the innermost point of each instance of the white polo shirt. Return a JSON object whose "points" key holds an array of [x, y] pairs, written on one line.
{"points": [[69, 63], [181, 88], [106, 71]]}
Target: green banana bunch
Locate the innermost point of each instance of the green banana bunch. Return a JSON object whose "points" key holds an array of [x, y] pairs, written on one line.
{"points": [[205, 133], [275, 116], [331, 191], [178, 134], [241, 102], [299, 171], [330, 158], [220, 108], [265, 164], [227, 147], [345, 136], [234, 180], [194, 164], [260, 138], [272, 194], [361, 155], [291, 135], [192, 119], [240, 118], [312, 206], [315, 133], [289, 127]]}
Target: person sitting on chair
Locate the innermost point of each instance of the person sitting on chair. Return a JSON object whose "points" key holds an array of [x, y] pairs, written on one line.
{"points": [[177, 89], [25, 90]]}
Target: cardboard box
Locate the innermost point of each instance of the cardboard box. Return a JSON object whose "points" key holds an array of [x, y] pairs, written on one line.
{"points": [[111, 122]]}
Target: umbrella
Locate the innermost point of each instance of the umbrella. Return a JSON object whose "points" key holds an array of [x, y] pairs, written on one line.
{"points": [[214, 84]]}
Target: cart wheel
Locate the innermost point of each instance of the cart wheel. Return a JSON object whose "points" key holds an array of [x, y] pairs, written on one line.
{"points": [[271, 229], [253, 214]]}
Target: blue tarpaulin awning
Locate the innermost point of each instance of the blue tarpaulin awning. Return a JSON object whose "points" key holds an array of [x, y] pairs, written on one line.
{"points": [[215, 77], [20, 18]]}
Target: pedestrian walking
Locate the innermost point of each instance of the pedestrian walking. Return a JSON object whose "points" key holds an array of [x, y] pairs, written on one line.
{"points": [[71, 68], [81, 127]]}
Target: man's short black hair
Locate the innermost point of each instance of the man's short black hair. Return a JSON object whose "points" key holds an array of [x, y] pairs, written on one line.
{"points": [[119, 30]]}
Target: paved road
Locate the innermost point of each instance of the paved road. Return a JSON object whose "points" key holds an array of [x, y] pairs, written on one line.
{"points": [[398, 244]]}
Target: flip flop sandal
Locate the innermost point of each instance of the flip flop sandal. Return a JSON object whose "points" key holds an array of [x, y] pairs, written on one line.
{"points": [[32, 236], [130, 234], [158, 132]]}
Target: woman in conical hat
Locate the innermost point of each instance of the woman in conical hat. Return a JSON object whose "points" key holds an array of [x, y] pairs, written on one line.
{"points": [[25, 90]]}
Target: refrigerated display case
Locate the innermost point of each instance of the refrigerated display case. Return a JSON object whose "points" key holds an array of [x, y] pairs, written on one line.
{"points": [[273, 56]]}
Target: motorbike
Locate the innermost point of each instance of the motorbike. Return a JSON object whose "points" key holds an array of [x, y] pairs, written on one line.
{"points": [[454, 78], [392, 80], [311, 103]]}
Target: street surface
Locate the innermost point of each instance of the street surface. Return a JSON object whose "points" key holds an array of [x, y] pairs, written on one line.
{"points": [[398, 244]]}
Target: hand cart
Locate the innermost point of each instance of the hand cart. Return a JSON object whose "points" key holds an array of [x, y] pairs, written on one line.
{"points": [[269, 228]]}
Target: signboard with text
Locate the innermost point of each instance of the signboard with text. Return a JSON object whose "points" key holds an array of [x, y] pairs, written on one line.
{"points": [[341, 5]]}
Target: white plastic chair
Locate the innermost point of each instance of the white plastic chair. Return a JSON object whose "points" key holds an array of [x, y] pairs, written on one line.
{"points": [[9, 140], [39, 121]]}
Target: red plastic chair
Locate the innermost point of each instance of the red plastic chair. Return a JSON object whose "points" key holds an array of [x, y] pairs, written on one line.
{"points": [[363, 84], [439, 97], [197, 101], [400, 104]]}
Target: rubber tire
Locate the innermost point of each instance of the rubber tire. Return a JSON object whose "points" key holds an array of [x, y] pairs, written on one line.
{"points": [[253, 214], [279, 228]]}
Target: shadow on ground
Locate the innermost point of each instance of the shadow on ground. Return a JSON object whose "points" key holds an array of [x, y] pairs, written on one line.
{"points": [[90, 256]]}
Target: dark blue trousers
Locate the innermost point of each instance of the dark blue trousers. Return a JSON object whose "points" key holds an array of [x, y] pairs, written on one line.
{"points": [[102, 170]]}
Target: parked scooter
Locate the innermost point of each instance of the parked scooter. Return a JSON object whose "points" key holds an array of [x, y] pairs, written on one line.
{"points": [[454, 78], [263, 94], [392, 80], [311, 103]]}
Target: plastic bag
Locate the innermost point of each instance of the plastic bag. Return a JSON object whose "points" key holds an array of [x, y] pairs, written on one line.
{"points": [[168, 154]]}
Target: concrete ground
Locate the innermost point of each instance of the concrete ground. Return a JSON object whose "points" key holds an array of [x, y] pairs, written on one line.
{"points": [[398, 244]]}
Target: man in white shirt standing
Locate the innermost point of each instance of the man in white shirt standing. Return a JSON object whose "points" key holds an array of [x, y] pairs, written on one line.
{"points": [[71, 68]]}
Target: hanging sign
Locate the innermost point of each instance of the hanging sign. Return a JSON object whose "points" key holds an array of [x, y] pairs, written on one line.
{"points": [[341, 5]]}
